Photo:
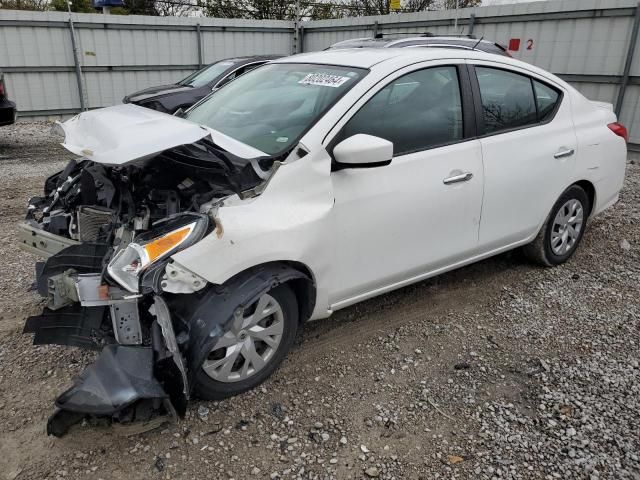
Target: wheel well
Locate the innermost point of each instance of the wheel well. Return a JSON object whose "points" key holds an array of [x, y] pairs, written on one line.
{"points": [[590, 190], [303, 288]]}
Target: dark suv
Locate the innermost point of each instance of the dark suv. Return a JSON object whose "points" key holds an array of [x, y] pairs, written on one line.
{"points": [[427, 40], [7, 107]]}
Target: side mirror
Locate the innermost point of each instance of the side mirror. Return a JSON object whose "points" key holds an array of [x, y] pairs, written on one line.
{"points": [[363, 151]]}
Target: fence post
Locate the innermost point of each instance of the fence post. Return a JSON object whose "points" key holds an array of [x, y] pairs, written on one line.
{"points": [[375, 29], [199, 39], [296, 28], [472, 23], [301, 37], [629, 60], [76, 61]]}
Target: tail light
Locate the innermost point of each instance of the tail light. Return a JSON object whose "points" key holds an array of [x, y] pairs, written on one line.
{"points": [[619, 130], [2, 89]]}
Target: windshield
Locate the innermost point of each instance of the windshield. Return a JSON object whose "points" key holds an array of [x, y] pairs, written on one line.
{"points": [[207, 74], [271, 107]]}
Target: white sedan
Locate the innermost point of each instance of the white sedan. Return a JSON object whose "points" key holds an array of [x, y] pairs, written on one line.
{"points": [[200, 244]]}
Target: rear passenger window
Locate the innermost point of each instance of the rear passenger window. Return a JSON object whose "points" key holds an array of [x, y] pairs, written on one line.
{"points": [[547, 98], [507, 99], [416, 111]]}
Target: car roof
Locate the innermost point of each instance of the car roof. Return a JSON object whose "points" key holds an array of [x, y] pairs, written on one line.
{"points": [[368, 57], [362, 42], [459, 41]]}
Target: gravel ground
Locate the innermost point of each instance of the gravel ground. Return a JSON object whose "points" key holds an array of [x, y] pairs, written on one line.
{"points": [[498, 370]]}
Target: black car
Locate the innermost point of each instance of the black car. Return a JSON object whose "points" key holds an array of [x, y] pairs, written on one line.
{"points": [[170, 98], [426, 40], [7, 107]]}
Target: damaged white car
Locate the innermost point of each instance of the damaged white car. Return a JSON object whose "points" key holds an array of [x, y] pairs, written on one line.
{"points": [[190, 250]]}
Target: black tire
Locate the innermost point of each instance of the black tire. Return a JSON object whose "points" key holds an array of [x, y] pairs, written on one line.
{"points": [[207, 388], [540, 250]]}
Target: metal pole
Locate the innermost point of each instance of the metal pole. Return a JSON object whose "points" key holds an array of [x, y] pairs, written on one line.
{"points": [[301, 29], [199, 39], [455, 23], [627, 64], [472, 24], [375, 29], [296, 29], [83, 107]]}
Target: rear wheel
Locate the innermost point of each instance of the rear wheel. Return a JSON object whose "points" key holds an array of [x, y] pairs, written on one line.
{"points": [[562, 231], [253, 348]]}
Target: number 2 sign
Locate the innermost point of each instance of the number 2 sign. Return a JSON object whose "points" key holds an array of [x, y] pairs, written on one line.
{"points": [[514, 44]]}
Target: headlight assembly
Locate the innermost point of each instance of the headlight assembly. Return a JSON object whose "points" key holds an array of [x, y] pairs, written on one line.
{"points": [[166, 238]]}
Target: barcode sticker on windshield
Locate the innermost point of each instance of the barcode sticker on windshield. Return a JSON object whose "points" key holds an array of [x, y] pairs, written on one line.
{"points": [[324, 79]]}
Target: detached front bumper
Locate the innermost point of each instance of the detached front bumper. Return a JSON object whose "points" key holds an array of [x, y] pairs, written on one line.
{"points": [[140, 372]]}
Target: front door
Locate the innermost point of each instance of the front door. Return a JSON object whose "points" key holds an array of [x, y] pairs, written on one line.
{"points": [[393, 224]]}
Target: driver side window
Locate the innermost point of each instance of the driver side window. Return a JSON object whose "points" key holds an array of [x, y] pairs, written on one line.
{"points": [[417, 111]]}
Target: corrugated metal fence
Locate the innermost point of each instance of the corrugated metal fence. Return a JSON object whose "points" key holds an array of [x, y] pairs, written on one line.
{"points": [[584, 41], [118, 54], [587, 42]]}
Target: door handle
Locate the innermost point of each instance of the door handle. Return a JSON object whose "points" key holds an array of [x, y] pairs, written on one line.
{"points": [[463, 177], [564, 153]]}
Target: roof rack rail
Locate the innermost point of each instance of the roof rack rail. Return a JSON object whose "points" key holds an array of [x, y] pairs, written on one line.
{"points": [[425, 34]]}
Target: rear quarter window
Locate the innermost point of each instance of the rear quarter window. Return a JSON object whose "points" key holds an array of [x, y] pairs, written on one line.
{"points": [[547, 99]]}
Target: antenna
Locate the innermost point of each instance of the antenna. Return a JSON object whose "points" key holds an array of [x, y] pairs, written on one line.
{"points": [[478, 42]]}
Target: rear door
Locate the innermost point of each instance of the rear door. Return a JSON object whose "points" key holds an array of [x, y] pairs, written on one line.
{"points": [[528, 149]]}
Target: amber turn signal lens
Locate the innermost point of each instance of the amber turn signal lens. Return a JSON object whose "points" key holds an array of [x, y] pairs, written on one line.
{"points": [[160, 246]]}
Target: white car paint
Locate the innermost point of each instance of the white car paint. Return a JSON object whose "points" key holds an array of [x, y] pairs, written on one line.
{"points": [[363, 149], [362, 232], [522, 177], [124, 133]]}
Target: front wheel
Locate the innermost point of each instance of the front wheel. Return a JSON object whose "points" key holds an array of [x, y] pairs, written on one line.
{"points": [[562, 231], [256, 344]]}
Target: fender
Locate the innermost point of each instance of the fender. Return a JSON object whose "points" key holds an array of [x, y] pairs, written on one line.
{"points": [[289, 222], [213, 314]]}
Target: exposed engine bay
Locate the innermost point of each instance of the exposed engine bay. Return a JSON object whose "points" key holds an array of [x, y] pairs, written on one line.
{"points": [[88, 201], [107, 233]]}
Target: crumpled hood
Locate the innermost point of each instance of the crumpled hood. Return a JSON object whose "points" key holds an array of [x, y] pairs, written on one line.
{"points": [[123, 133]]}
